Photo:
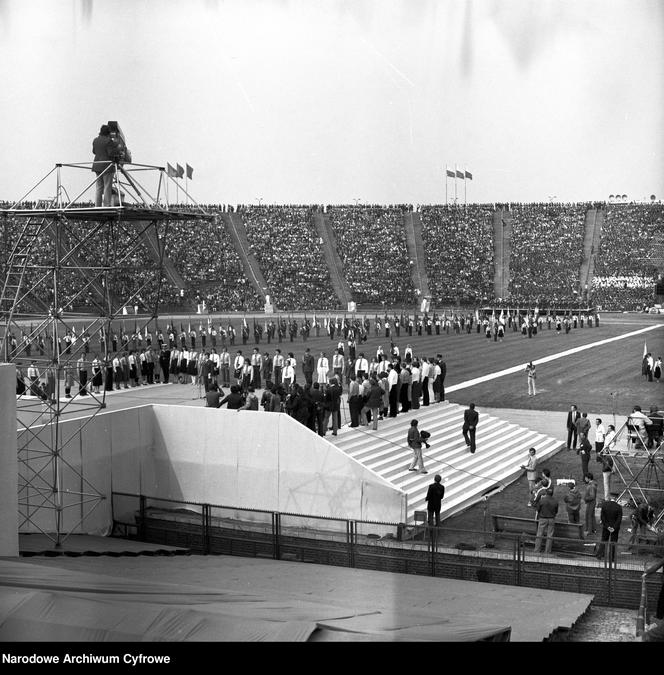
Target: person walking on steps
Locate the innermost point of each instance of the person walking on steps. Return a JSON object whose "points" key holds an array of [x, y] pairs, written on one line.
{"points": [[470, 419], [415, 443]]}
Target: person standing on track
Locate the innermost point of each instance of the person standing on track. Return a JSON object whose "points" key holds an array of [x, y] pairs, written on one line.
{"points": [[532, 376]]}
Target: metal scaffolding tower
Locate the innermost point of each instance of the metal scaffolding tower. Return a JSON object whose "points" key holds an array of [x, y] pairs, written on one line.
{"points": [[74, 272]]}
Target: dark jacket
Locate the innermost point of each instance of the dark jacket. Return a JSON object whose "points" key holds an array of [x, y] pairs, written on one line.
{"points": [[548, 507], [611, 515], [470, 418], [101, 147], [332, 398], [234, 401], [308, 364], [590, 494], [572, 418], [434, 497], [375, 398], [414, 440], [213, 398]]}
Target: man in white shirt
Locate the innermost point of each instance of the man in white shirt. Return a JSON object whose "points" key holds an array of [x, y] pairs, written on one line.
{"points": [[416, 385], [33, 377], [600, 434], [117, 371], [225, 367], [277, 367], [238, 365], [361, 367], [289, 374], [133, 368], [338, 364], [437, 384], [393, 382], [641, 422], [256, 364]]}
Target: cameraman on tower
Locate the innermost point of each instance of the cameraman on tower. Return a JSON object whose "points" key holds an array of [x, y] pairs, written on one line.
{"points": [[103, 148]]}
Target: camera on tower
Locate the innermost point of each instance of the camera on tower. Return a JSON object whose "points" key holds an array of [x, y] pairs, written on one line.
{"points": [[119, 151]]}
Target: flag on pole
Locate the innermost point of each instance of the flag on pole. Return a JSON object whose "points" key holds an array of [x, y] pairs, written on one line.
{"points": [[459, 174], [469, 176], [450, 172], [170, 171], [190, 172], [180, 171]]}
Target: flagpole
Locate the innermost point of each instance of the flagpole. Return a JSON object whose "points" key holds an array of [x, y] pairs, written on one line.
{"points": [[455, 185], [446, 185], [465, 200]]}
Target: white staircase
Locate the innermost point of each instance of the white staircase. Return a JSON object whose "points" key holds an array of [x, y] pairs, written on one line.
{"points": [[502, 447]]}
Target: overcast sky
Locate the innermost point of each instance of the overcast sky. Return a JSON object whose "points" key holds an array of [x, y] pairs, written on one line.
{"points": [[329, 101]]}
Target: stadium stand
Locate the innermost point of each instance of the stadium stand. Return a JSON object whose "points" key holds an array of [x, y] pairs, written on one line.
{"points": [[458, 245]]}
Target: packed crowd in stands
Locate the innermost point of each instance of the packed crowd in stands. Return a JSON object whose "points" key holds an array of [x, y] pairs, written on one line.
{"points": [[630, 250], [458, 246], [210, 266], [290, 255], [546, 252], [371, 241]]}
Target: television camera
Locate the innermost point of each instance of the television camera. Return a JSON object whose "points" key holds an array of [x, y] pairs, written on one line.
{"points": [[119, 152]]}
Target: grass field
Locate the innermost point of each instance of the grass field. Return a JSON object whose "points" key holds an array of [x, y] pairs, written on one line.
{"points": [[587, 378]]}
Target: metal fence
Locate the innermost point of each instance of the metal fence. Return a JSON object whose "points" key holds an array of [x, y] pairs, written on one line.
{"points": [[615, 578]]}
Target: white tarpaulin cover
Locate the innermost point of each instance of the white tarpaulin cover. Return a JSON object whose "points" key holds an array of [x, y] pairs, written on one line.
{"points": [[47, 603]]}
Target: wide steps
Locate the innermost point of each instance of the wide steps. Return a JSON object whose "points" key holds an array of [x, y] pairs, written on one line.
{"points": [[502, 447]]}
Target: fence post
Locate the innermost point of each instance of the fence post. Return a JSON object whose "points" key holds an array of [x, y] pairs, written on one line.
{"points": [[434, 540], [351, 529], [204, 528], [643, 607], [276, 527], [518, 559], [141, 511]]}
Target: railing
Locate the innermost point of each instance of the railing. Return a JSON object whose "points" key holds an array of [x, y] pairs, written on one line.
{"points": [[476, 555], [642, 617]]}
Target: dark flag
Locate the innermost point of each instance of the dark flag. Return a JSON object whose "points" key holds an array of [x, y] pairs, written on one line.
{"points": [[190, 172]]}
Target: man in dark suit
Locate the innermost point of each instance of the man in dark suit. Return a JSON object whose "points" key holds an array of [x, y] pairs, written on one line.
{"points": [[164, 363], [434, 497], [611, 515], [308, 367], [332, 403], [470, 420], [572, 416]]}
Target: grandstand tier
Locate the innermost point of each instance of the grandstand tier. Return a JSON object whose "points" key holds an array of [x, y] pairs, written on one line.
{"points": [[307, 257]]}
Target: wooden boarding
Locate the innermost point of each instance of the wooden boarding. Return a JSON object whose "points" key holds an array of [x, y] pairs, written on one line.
{"points": [[528, 527]]}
